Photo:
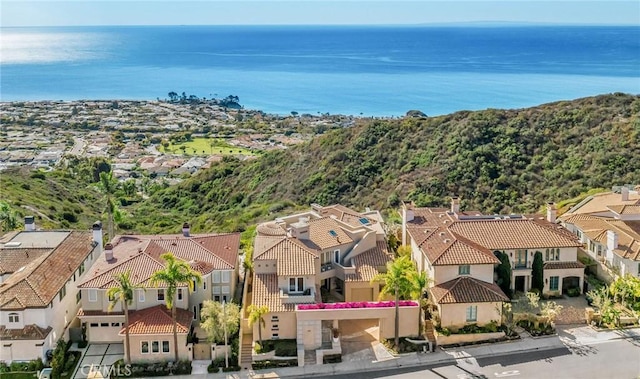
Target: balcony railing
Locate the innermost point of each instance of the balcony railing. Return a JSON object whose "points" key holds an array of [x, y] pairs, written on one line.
{"points": [[326, 267], [306, 297]]}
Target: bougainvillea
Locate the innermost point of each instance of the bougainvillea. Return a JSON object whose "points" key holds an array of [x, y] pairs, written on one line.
{"points": [[357, 304]]}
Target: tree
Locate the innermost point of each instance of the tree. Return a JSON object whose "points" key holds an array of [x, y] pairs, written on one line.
{"points": [[175, 273], [549, 311], [108, 187], [420, 281], [537, 274], [256, 314], [123, 293], [8, 219], [173, 97], [503, 271], [214, 317], [397, 281], [59, 359], [129, 187], [404, 251]]}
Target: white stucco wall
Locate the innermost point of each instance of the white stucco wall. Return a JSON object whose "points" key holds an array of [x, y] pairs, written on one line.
{"points": [[480, 272], [455, 315]]}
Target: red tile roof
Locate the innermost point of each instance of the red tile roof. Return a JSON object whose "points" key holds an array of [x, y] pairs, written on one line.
{"points": [[29, 332], [39, 282], [368, 262], [466, 289], [266, 292], [293, 258], [327, 233], [13, 259], [562, 265], [157, 320]]}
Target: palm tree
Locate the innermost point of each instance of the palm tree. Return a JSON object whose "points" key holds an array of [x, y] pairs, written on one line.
{"points": [[123, 293], [175, 273], [420, 281], [256, 314], [397, 280], [108, 186]]}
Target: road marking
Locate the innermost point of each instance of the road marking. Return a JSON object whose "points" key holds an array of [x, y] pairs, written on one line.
{"points": [[507, 373]]}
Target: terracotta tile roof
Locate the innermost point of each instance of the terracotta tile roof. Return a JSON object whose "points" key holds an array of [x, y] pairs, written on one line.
{"points": [[598, 203], [466, 289], [596, 229], [41, 280], [419, 234], [82, 313], [270, 229], [344, 214], [264, 243], [293, 258], [266, 292], [368, 262], [327, 233], [443, 247], [562, 265], [461, 252], [141, 266], [12, 259], [157, 320], [29, 332], [625, 209], [512, 234]]}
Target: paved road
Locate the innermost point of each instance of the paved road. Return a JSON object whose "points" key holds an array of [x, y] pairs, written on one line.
{"points": [[78, 147], [607, 359]]}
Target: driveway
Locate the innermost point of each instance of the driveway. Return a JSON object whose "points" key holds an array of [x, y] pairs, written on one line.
{"points": [[98, 359], [572, 310], [359, 341]]}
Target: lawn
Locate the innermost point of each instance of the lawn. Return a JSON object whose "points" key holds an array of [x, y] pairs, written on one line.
{"points": [[18, 375], [205, 146]]}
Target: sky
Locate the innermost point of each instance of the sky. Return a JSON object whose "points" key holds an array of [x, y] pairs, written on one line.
{"points": [[314, 12]]}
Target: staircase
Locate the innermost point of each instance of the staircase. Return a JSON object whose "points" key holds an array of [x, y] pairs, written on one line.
{"points": [[246, 350], [429, 332], [309, 357]]}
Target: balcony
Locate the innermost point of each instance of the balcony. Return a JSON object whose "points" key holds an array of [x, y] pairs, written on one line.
{"points": [[306, 297]]}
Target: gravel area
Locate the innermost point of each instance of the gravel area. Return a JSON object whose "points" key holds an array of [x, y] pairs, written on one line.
{"points": [[572, 311]]}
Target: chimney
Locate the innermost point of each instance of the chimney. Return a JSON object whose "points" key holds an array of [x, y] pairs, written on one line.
{"points": [[552, 212], [612, 240], [108, 252], [625, 193], [407, 216], [300, 229], [455, 205], [97, 233], [186, 229], [29, 223]]}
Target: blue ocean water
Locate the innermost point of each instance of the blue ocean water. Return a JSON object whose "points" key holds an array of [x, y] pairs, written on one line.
{"points": [[366, 70]]}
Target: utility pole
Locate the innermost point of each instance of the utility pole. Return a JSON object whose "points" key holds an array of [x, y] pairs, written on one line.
{"points": [[224, 325]]}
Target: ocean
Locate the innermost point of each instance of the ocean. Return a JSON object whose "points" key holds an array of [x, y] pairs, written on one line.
{"points": [[357, 70]]}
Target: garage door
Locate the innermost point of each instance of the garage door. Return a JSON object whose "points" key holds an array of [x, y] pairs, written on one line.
{"points": [[362, 294]]}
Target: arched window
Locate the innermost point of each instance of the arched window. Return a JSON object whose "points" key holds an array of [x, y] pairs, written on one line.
{"points": [[14, 317]]}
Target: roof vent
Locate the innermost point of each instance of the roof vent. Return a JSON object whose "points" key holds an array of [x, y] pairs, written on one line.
{"points": [[441, 215], [447, 240], [108, 252], [12, 244], [441, 234]]}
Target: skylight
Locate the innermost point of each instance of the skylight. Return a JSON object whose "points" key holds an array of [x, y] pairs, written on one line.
{"points": [[333, 233], [364, 221]]}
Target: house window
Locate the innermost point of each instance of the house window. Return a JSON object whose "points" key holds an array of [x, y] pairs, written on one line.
{"points": [[521, 258], [296, 284], [165, 346], [160, 295], [225, 289], [141, 296], [553, 283], [472, 313], [204, 284], [195, 312], [93, 295], [81, 269], [195, 287], [216, 290], [78, 296], [224, 298], [216, 298], [155, 347], [216, 276], [464, 270], [557, 254], [179, 293], [226, 276], [104, 324], [14, 317], [115, 324], [336, 256], [63, 292], [200, 309], [546, 255], [144, 347]]}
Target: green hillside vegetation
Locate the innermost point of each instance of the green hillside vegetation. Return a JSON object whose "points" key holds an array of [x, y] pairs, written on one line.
{"points": [[203, 146], [498, 161]]}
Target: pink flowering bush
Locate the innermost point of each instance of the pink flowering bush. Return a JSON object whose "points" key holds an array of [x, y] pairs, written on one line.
{"points": [[358, 304]]}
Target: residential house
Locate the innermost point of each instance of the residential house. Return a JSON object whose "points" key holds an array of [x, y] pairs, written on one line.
{"points": [[608, 224], [214, 256], [324, 255], [39, 271], [459, 250]]}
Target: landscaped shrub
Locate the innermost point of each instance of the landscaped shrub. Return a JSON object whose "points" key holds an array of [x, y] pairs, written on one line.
{"points": [[4, 367], [139, 370], [274, 364], [540, 330], [286, 348], [573, 292]]}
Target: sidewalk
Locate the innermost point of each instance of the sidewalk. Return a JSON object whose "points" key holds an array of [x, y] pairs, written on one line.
{"points": [[582, 335]]}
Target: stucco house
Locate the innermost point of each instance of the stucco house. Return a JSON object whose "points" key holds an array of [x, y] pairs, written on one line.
{"points": [[458, 251], [214, 256], [608, 224], [39, 271], [324, 255]]}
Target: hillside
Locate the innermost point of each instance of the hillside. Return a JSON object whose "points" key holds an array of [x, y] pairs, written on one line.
{"points": [[496, 160]]}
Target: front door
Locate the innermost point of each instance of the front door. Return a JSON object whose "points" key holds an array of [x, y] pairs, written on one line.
{"points": [[519, 283], [201, 352]]}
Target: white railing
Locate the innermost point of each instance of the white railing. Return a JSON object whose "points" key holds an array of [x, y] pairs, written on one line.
{"points": [[309, 296]]}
